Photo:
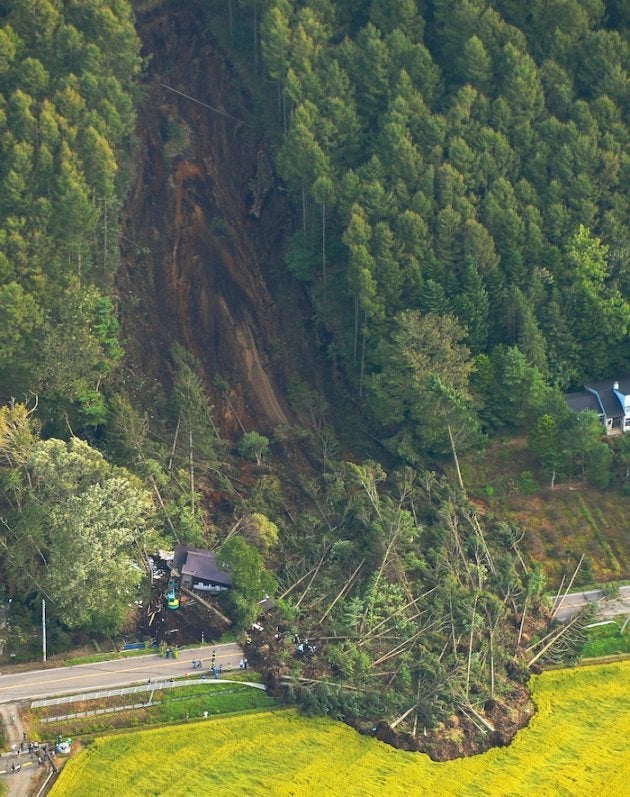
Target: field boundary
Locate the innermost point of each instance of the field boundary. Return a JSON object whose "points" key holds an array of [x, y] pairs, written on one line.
{"points": [[132, 690], [96, 712], [573, 746], [595, 661]]}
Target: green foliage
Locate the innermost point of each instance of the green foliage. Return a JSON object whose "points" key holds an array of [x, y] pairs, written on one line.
{"points": [[399, 570], [469, 162], [598, 470], [422, 386], [605, 640], [253, 446], [65, 124], [262, 531], [71, 506], [527, 483], [197, 438], [251, 582], [569, 444]]}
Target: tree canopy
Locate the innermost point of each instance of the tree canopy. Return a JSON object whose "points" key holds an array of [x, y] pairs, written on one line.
{"points": [[474, 166], [78, 527], [66, 120]]}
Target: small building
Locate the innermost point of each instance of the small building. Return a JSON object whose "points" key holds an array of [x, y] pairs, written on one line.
{"points": [[609, 399], [197, 569]]}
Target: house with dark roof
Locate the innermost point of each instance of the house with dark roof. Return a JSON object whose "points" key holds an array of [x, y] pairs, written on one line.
{"points": [[197, 569], [610, 399]]}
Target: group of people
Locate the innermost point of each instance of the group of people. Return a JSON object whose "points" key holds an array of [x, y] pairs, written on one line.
{"points": [[216, 670], [34, 750], [197, 664]]}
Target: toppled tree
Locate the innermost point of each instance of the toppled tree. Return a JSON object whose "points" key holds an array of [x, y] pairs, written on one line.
{"points": [[412, 612]]}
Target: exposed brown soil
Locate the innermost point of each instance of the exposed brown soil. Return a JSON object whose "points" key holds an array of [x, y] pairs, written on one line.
{"points": [[458, 736], [204, 231]]}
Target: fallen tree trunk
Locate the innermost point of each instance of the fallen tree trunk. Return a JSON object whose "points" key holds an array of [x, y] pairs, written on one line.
{"points": [[208, 605]]}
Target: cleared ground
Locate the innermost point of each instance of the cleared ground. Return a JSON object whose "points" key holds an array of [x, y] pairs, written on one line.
{"points": [[577, 744]]}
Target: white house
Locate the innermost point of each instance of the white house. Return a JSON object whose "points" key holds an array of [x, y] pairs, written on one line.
{"points": [[610, 399]]}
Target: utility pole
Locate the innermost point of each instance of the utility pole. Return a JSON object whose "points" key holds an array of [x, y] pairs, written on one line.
{"points": [[44, 629]]}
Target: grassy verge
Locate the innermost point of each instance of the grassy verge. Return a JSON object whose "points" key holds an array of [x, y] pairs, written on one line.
{"points": [[95, 658], [606, 640], [574, 746], [170, 705]]}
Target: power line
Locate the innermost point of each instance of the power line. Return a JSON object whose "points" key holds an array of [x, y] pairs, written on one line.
{"points": [[205, 105]]}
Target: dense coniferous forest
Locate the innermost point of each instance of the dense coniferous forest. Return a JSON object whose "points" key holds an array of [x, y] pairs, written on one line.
{"points": [[464, 161], [68, 81], [66, 118], [458, 173]]}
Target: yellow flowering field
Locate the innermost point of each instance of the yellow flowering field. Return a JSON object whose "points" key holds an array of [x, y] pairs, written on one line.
{"points": [[577, 744]]}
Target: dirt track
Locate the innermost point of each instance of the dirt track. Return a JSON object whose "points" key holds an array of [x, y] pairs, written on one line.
{"points": [[19, 784]]}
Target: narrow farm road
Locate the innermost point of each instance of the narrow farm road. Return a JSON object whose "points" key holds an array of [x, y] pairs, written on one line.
{"points": [[611, 607], [16, 687], [19, 784]]}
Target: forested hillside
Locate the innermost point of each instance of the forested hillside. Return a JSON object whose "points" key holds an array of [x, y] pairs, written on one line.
{"points": [[357, 239], [466, 160], [66, 118]]}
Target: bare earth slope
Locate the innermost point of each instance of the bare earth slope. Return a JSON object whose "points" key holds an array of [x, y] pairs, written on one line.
{"points": [[203, 226]]}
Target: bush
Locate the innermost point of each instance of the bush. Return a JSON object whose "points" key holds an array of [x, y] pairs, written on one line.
{"points": [[527, 483], [611, 590], [253, 446], [599, 468]]}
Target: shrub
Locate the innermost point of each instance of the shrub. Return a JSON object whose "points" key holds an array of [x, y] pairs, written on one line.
{"points": [[527, 483]]}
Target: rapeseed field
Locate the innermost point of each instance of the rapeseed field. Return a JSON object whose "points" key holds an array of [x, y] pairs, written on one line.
{"points": [[578, 744]]}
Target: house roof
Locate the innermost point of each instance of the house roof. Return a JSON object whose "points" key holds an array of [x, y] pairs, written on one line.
{"points": [[610, 401], [200, 564], [583, 401]]}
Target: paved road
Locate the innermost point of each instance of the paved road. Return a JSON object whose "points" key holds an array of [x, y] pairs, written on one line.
{"points": [[576, 601], [118, 672]]}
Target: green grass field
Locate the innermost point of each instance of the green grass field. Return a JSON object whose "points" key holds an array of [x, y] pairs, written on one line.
{"points": [[606, 640], [576, 745], [171, 705]]}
